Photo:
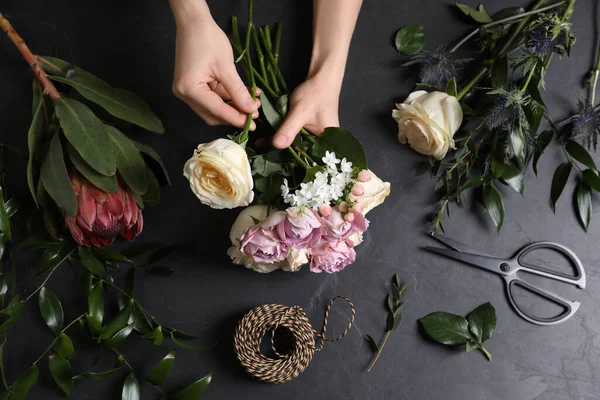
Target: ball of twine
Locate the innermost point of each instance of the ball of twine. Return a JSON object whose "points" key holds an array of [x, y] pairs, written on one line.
{"points": [[258, 321]]}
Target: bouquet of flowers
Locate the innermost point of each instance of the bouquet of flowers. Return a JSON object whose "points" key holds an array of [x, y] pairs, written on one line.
{"points": [[479, 118], [304, 205]]}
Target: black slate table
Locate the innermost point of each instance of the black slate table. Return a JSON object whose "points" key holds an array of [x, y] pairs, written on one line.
{"points": [[130, 44]]}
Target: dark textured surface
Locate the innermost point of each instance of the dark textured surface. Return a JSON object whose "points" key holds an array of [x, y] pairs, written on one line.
{"points": [[130, 44]]}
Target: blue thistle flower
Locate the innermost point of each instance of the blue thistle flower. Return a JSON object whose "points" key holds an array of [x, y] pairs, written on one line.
{"points": [[586, 124], [436, 68], [506, 109], [540, 42]]}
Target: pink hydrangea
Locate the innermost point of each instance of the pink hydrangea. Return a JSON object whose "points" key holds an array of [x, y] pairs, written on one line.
{"points": [[332, 256]]}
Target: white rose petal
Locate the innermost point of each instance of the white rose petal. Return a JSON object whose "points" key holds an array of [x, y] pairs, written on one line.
{"points": [[220, 174], [376, 191], [428, 122]]}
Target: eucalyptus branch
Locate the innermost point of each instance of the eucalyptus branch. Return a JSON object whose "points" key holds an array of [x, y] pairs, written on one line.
{"points": [[503, 21], [31, 60]]}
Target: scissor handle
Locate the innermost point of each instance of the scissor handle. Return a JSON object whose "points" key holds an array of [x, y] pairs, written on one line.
{"points": [[570, 307], [578, 279]]}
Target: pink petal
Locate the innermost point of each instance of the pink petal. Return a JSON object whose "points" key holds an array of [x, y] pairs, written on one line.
{"points": [[103, 217], [86, 214], [76, 231], [115, 205]]}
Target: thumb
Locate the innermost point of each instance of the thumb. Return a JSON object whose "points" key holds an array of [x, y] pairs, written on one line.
{"points": [[236, 89], [290, 127]]}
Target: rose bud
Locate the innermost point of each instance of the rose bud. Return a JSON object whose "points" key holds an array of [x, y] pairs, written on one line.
{"points": [[349, 217], [102, 216], [358, 189], [357, 208], [364, 176], [343, 207], [325, 210]]}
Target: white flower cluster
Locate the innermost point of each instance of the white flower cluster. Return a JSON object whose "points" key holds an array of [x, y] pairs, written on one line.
{"points": [[327, 186]]}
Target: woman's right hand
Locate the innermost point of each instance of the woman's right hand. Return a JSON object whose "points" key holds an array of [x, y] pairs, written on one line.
{"points": [[205, 74]]}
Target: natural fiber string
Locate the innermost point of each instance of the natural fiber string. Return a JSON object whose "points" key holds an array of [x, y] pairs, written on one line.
{"points": [[258, 321]]}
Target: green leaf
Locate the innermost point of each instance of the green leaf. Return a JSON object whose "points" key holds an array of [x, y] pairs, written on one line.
{"points": [[48, 260], [282, 105], [517, 142], [446, 328], [373, 343], [107, 253], [107, 183], [583, 200], [473, 181], [55, 178], [119, 337], [2, 374], [591, 178], [51, 310], [471, 345], [500, 73], [543, 140], [141, 323], [4, 219], [162, 370], [579, 153], [100, 376], [482, 322], [27, 380], [61, 373], [95, 314], [195, 390], [514, 178], [39, 242], [263, 167], [492, 200], [508, 12], [152, 195], [155, 335], [130, 163], [117, 323], [561, 175], [65, 347], [14, 307], [186, 345], [452, 88], [410, 39], [149, 151], [120, 103], [87, 134], [479, 14], [271, 114], [391, 303], [131, 388], [90, 262], [344, 144], [34, 137]]}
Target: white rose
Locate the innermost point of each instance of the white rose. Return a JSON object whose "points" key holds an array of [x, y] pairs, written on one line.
{"points": [[376, 191], [220, 174], [428, 122], [246, 219]]}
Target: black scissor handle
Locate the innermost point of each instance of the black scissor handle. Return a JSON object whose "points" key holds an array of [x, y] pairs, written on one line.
{"points": [[578, 279], [570, 307]]}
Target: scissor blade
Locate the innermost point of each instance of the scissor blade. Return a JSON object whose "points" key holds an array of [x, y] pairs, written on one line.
{"points": [[484, 262], [458, 246]]}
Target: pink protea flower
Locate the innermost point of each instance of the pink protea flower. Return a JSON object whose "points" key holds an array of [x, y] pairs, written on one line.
{"points": [[102, 216], [332, 256]]}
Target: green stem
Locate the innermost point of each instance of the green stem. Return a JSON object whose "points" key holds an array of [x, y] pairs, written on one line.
{"points": [[245, 132], [528, 81], [487, 353], [385, 338], [596, 74], [122, 357], [58, 337], [261, 56], [303, 153], [270, 69], [311, 138], [49, 275], [271, 58], [277, 41], [298, 158], [513, 36], [513, 18]]}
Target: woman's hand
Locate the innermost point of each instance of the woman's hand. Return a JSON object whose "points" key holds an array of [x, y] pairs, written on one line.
{"points": [[314, 106], [205, 74]]}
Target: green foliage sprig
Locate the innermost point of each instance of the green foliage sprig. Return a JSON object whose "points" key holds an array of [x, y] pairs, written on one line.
{"points": [[395, 304], [501, 100], [453, 330]]}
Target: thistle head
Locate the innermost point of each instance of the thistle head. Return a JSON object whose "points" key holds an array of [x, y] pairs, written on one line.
{"points": [[506, 109], [436, 68], [549, 34], [586, 124]]}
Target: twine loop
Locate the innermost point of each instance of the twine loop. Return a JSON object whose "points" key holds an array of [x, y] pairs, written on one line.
{"points": [[258, 321]]}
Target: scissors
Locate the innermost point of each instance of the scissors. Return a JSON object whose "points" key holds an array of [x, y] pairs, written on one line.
{"points": [[508, 269]]}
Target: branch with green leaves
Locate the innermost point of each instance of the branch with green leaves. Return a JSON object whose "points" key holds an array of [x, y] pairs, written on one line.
{"points": [[395, 304]]}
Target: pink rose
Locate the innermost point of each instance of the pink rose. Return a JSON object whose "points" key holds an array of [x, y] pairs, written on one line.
{"points": [[263, 243], [336, 227], [332, 257], [300, 227]]}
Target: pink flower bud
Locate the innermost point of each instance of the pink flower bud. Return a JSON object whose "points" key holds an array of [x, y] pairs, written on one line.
{"points": [[357, 208], [352, 197], [364, 176], [343, 207], [349, 217], [325, 210], [358, 189]]}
